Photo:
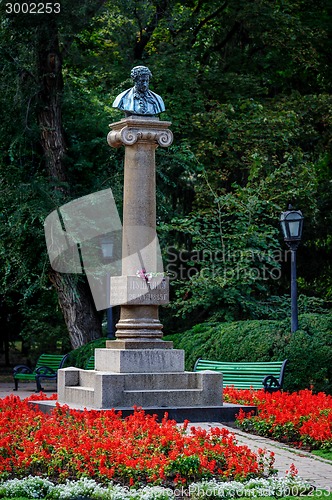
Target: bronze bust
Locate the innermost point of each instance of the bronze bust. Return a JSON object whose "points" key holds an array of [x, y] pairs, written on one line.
{"points": [[139, 100]]}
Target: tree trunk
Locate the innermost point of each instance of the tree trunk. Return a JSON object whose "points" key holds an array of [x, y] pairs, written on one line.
{"points": [[75, 299], [76, 302]]}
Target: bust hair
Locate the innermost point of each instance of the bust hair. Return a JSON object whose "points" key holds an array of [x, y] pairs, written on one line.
{"points": [[139, 71]]}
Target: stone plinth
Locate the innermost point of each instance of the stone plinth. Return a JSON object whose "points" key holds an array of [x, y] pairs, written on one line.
{"points": [[139, 360]]}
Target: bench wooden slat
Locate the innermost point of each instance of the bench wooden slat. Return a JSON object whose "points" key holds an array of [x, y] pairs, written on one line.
{"points": [[243, 375]]}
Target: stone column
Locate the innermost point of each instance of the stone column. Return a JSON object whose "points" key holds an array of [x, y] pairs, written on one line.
{"points": [[139, 325]]}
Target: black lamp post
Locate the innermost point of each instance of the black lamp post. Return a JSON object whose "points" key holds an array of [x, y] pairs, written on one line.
{"points": [[107, 250], [292, 225]]}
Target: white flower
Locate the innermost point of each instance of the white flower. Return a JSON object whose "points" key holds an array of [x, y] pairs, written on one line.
{"points": [[37, 487]]}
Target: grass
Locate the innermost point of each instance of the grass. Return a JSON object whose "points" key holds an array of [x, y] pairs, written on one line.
{"points": [[323, 454]]}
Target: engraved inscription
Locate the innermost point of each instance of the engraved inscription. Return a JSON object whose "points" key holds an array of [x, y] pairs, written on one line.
{"points": [[134, 290]]}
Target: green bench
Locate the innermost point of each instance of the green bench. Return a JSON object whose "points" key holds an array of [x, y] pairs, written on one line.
{"points": [[267, 375], [46, 368]]}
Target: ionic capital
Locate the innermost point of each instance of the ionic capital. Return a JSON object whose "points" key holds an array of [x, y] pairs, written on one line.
{"points": [[131, 130]]}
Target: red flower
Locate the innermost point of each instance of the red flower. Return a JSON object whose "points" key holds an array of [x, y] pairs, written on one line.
{"points": [[103, 445], [301, 418]]}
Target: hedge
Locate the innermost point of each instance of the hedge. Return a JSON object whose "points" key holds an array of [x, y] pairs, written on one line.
{"points": [[309, 350], [80, 356]]}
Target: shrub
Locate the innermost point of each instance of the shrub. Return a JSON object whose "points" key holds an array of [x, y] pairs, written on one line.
{"points": [[80, 356], [309, 350]]}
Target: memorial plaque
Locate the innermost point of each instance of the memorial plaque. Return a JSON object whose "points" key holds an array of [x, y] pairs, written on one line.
{"points": [[135, 290]]}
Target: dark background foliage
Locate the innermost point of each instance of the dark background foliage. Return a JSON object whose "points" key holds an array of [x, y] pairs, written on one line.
{"points": [[247, 88]]}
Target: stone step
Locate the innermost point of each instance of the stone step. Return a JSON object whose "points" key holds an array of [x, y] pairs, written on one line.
{"points": [[160, 381], [81, 395], [160, 390], [87, 378], [225, 413], [99, 389], [165, 397]]}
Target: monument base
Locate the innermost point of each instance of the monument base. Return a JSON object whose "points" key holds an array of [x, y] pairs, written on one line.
{"points": [[222, 414], [141, 377]]}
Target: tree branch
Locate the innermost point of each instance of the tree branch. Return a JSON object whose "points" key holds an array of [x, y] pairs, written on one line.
{"points": [[217, 47], [145, 34], [23, 72], [206, 20]]}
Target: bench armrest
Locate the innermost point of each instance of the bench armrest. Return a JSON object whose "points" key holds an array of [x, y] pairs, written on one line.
{"points": [[271, 384], [45, 370], [21, 369]]}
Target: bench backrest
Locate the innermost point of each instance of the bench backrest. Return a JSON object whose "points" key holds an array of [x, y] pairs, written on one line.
{"points": [[54, 361], [244, 375], [90, 364]]}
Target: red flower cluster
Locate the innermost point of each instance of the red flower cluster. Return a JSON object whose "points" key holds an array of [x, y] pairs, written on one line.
{"points": [[132, 450], [301, 418]]}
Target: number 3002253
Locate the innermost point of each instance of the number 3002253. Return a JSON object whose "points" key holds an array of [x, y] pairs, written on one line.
{"points": [[33, 8]]}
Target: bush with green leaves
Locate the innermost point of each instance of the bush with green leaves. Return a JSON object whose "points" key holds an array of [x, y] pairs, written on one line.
{"points": [[80, 356], [309, 350]]}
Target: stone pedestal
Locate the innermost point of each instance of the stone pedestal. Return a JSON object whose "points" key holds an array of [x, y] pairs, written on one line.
{"points": [[124, 378], [139, 368], [106, 390]]}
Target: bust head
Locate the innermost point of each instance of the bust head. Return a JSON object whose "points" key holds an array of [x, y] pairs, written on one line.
{"points": [[141, 76]]}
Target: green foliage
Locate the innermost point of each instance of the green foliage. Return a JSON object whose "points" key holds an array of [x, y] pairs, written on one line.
{"points": [[29, 307], [247, 155], [279, 307], [232, 257], [80, 356], [42, 327], [28, 195], [309, 350]]}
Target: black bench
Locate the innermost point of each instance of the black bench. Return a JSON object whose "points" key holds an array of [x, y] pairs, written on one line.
{"points": [[242, 375], [46, 368]]}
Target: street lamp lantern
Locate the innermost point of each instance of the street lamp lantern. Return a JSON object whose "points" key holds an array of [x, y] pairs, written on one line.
{"points": [[292, 225]]}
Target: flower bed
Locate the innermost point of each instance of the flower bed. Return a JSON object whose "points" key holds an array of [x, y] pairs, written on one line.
{"points": [[302, 419], [100, 445], [84, 488]]}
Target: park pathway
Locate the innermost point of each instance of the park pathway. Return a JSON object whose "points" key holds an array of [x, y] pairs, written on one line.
{"points": [[317, 471]]}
